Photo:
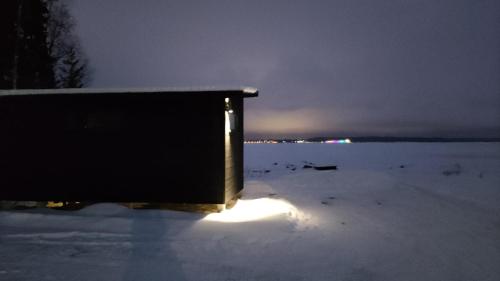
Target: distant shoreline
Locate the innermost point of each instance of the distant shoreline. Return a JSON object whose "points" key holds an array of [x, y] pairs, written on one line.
{"points": [[383, 139], [396, 139]]}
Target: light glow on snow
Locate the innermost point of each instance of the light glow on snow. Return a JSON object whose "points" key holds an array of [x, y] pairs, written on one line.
{"points": [[252, 210]]}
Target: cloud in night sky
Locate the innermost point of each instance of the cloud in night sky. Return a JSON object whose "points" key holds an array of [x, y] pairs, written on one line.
{"points": [[393, 67]]}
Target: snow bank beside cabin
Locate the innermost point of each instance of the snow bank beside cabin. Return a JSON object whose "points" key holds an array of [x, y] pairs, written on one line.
{"points": [[398, 211]]}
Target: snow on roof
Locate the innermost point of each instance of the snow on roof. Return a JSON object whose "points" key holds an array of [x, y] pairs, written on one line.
{"points": [[244, 91]]}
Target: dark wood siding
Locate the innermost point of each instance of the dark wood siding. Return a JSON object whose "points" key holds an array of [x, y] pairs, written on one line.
{"points": [[115, 147]]}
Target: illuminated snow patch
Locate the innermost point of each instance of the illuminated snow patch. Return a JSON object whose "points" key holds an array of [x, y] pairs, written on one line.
{"points": [[249, 90], [254, 209]]}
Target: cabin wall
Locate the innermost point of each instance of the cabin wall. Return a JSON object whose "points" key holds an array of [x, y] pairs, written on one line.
{"points": [[112, 147], [234, 150]]}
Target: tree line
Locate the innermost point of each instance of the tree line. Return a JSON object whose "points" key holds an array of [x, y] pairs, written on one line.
{"points": [[39, 48]]}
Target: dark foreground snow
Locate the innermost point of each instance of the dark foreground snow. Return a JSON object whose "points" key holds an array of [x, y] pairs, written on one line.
{"points": [[390, 212]]}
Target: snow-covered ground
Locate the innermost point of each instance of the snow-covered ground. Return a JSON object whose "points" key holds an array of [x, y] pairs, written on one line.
{"points": [[392, 211]]}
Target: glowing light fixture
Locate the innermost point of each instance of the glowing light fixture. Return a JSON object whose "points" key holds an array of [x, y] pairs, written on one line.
{"points": [[227, 123], [252, 210]]}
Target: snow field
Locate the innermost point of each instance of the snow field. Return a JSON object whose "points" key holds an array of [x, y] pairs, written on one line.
{"points": [[392, 211]]}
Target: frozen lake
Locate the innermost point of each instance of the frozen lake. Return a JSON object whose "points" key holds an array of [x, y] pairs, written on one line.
{"points": [[392, 211]]}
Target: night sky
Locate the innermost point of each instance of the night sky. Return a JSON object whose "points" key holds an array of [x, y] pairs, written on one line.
{"points": [[323, 68]]}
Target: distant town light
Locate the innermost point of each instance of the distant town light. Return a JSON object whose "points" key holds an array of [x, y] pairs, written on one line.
{"points": [[53, 204], [260, 141], [339, 141]]}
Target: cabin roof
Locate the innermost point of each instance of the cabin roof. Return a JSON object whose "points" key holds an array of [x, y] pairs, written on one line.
{"points": [[242, 91]]}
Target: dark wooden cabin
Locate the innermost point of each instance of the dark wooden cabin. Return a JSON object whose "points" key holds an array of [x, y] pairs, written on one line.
{"points": [[132, 145]]}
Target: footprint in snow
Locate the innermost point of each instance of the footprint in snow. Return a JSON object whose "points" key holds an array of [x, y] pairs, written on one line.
{"points": [[328, 202]]}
